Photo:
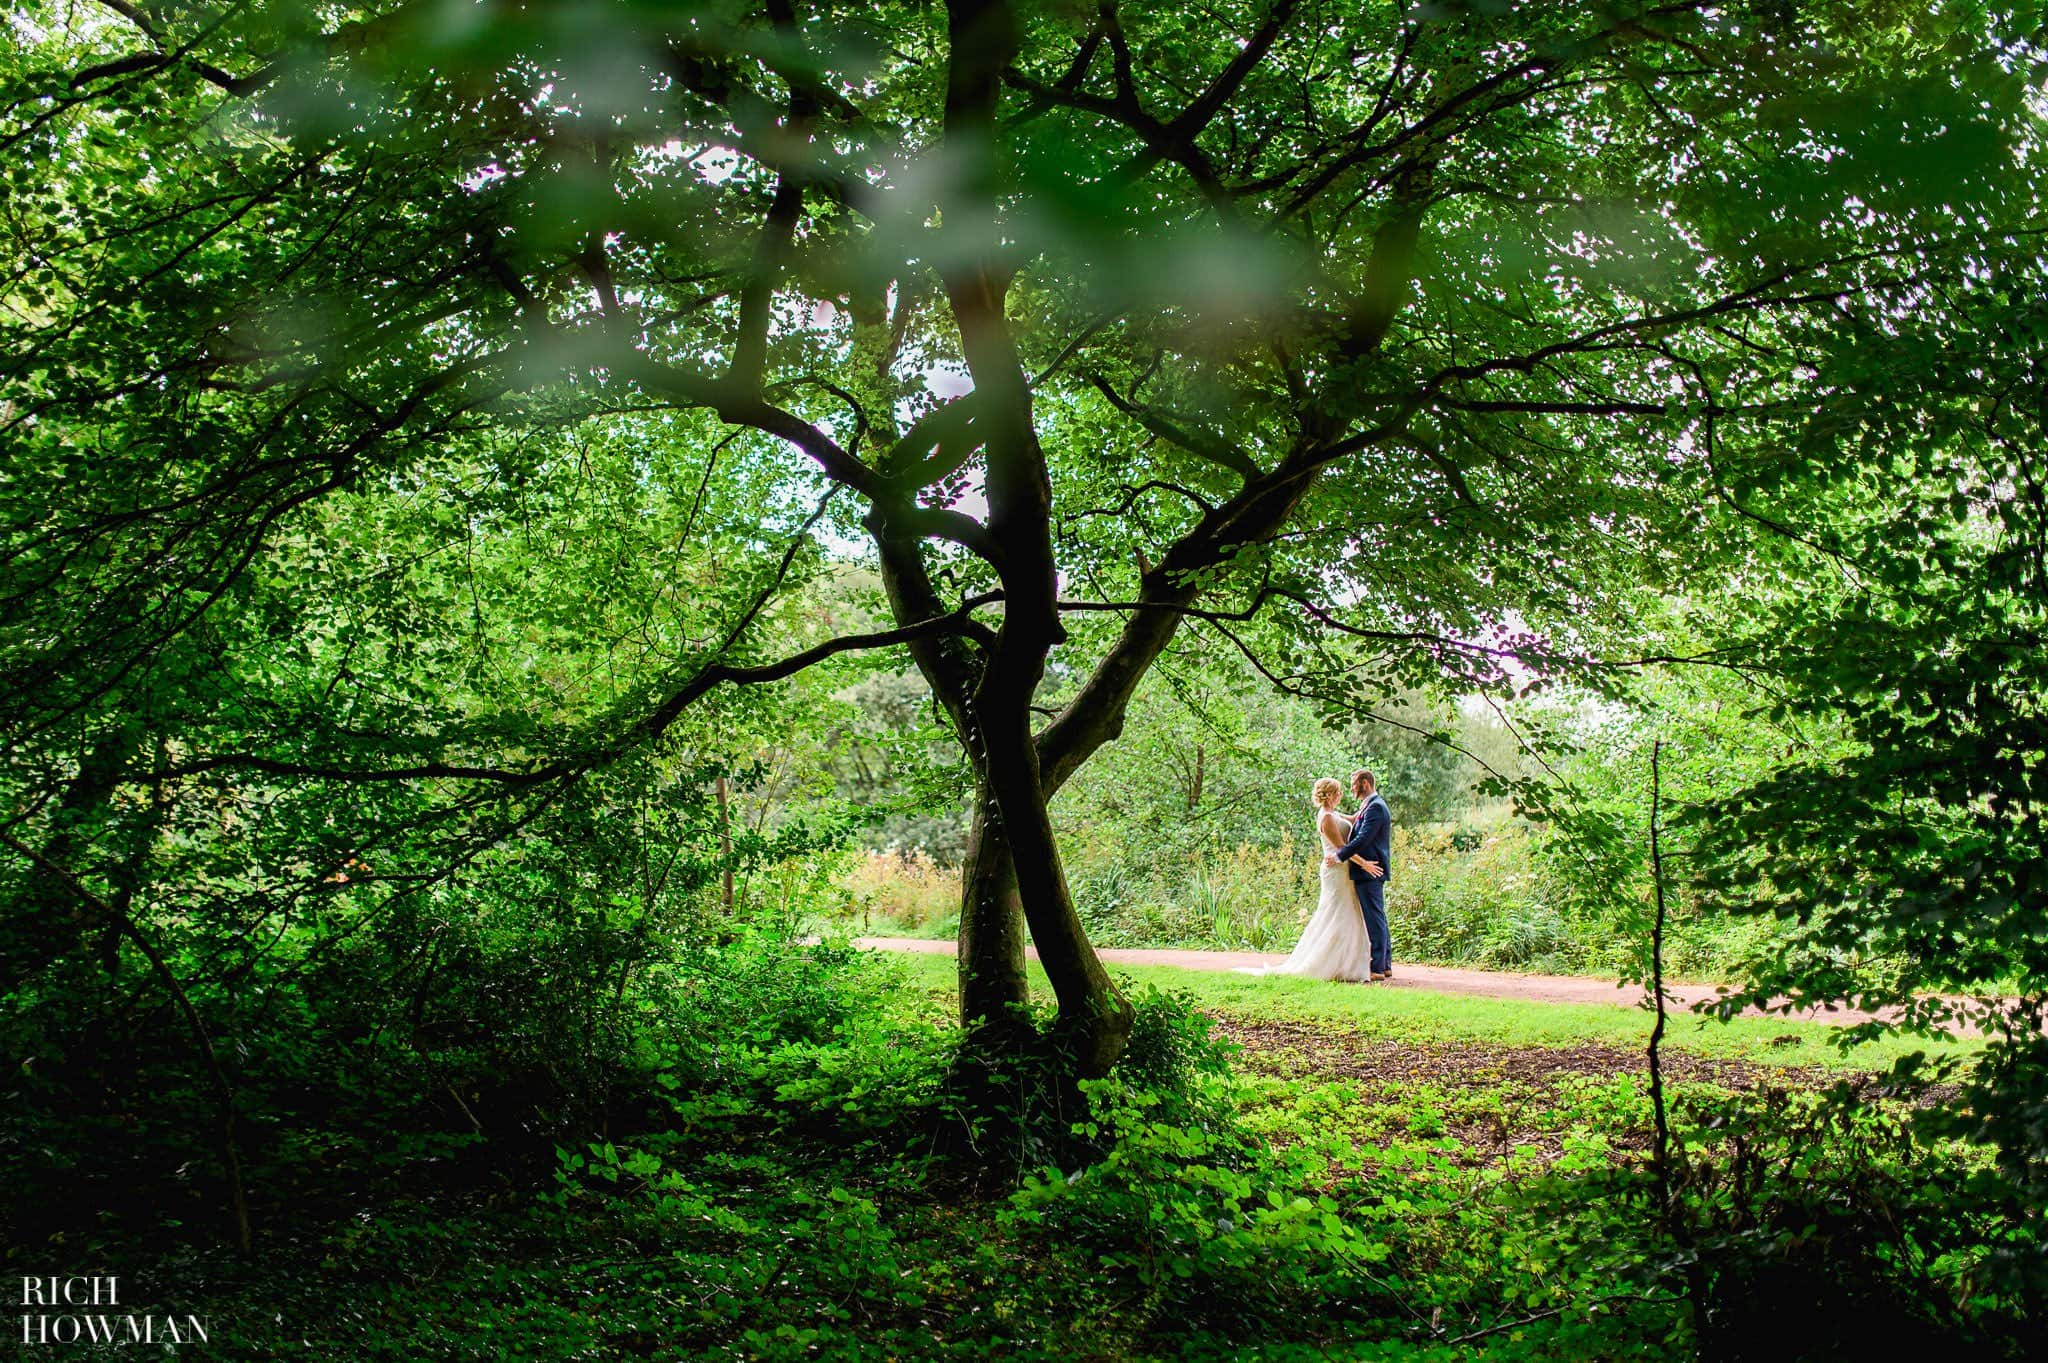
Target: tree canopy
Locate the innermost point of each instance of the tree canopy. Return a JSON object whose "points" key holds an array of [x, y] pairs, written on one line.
{"points": [[419, 415]]}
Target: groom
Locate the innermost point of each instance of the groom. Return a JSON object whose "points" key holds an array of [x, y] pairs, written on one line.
{"points": [[1372, 842]]}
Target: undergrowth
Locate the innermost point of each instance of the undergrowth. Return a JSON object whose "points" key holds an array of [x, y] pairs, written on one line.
{"points": [[760, 1170]]}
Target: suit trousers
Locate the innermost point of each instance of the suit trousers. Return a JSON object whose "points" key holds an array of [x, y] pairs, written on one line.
{"points": [[1372, 901]]}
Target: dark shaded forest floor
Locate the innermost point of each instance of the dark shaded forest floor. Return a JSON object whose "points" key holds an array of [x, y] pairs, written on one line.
{"points": [[1298, 1050], [1491, 1101], [1379, 1174]]}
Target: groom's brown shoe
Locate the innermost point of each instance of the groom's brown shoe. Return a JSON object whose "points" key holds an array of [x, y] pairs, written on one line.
{"points": [[1383, 974]]}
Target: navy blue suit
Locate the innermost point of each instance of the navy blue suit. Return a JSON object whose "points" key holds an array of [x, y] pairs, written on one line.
{"points": [[1372, 838]]}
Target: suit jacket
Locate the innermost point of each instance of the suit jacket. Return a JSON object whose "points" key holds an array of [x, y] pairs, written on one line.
{"points": [[1372, 838]]}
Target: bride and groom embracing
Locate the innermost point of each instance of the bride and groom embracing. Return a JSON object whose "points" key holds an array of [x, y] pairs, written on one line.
{"points": [[1347, 937]]}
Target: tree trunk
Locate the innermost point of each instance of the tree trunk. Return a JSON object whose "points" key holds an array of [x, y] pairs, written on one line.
{"points": [[991, 701], [997, 904], [50, 921], [1012, 876], [725, 846], [1094, 1019], [993, 987]]}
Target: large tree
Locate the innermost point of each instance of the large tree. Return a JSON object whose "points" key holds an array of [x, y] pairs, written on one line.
{"points": [[1388, 344]]}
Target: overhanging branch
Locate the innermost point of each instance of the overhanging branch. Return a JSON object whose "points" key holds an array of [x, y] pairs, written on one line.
{"points": [[738, 406], [713, 675]]}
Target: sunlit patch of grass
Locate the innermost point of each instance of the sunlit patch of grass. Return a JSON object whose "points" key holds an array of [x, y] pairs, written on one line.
{"points": [[1371, 1013]]}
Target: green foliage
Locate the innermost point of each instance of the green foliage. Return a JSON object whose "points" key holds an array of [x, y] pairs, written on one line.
{"points": [[1244, 897], [1918, 840], [764, 1182], [1825, 1230], [435, 440], [1176, 1059], [1211, 1232]]}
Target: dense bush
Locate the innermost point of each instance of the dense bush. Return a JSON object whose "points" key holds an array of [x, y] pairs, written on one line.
{"points": [[1825, 1229], [1246, 897]]}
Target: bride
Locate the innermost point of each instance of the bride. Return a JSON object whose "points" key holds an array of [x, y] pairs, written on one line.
{"points": [[1334, 946]]}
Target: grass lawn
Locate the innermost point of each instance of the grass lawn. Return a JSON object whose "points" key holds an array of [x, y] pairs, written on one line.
{"points": [[1420, 1016]]}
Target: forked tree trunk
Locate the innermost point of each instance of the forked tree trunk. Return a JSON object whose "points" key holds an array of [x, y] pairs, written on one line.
{"points": [[1094, 1019], [990, 699], [1007, 1068]]}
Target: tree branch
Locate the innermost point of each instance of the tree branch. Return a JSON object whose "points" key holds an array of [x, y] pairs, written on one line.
{"points": [[224, 1093], [1213, 448], [706, 679], [778, 232], [738, 407]]}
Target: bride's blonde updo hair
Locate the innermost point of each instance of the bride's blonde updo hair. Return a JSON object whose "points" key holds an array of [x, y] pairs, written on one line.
{"points": [[1327, 793]]}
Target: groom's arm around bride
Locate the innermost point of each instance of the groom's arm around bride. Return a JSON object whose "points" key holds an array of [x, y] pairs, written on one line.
{"points": [[1372, 842], [1368, 844]]}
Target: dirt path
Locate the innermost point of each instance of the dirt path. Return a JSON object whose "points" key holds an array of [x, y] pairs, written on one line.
{"points": [[1436, 978]]}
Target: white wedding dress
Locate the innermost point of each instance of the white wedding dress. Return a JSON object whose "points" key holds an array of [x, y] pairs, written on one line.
{"points": [[1334, 945]]}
